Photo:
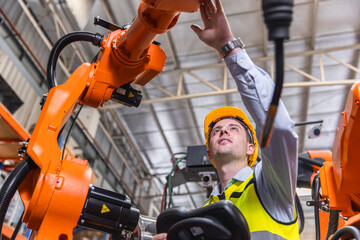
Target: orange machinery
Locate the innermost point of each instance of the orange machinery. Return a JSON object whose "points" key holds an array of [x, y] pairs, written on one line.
{"points": [[12, 135], [336, 186], [56, 191]]}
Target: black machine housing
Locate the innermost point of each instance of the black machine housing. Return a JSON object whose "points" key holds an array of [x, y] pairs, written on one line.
{"points": [[220, 220], [108, 212]]}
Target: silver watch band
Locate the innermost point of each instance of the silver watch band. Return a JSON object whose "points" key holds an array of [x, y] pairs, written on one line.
{"points": [[227, 48]]}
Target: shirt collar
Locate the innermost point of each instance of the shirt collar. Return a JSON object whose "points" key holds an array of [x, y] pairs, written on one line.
{"points": [[241, 175]]}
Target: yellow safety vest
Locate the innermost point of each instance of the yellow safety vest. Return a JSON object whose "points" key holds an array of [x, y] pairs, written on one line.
{"points": [[261, 224]]}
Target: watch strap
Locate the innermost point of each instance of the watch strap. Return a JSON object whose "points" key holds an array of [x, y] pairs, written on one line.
{"points": [[228, 47]]}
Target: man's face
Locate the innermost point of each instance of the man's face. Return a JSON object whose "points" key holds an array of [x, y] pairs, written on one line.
{"points": [[228, 142]]}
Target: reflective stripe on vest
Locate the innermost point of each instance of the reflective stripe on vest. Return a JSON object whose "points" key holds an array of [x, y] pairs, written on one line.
{"points": [[261, 224]]}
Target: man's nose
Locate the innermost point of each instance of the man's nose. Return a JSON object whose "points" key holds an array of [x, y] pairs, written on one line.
{"points": [[224, 130]]}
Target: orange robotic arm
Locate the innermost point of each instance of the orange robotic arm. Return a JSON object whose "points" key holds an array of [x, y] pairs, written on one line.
{"points": [[54, 193], [339, 179]]}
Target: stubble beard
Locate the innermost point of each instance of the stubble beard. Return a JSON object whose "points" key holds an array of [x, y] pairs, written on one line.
{"points": [[225, 155]]}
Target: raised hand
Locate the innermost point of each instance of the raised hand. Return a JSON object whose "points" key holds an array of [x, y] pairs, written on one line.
{"points": [[216, 32]]}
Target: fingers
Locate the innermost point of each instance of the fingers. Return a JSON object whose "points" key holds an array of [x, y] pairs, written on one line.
{"points": [[208, 11], [210, 8], [204, 15], [218, 6], [161, 236], [196, 28]]}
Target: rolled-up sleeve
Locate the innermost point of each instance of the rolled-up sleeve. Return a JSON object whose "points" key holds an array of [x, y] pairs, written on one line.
{"points": [[276, 174]]}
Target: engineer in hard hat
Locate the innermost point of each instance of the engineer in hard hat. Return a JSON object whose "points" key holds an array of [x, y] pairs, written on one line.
{"points": [[265, 195]]}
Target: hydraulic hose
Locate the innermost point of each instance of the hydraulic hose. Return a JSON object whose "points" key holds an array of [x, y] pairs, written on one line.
{"points": [[11, 185], [315, 196], [347, 230], [333, 223], [277, 17], [311, 161], [94, 38], [279, 78], [18, 226]]}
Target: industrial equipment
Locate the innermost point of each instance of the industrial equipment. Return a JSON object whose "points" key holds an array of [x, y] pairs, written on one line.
{"points": [[336, 188], [57, 190], [220, 220]]}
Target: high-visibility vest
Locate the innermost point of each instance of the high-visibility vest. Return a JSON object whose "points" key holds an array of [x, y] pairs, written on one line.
{"points": [[261, 224]]}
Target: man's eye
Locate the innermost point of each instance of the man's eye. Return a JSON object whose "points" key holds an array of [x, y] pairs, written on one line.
{"points": [[215, 131], [234, 129]]}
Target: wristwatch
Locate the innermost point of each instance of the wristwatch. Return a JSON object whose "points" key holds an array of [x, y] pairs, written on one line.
{"points": [[227, 48]]}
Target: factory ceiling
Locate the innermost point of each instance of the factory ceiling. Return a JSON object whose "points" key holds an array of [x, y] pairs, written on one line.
{"points": [[321, 64]]}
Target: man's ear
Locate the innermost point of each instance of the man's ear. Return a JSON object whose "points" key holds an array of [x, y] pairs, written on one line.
{"points": [[250, 149], [210, 158], [208, 155]]}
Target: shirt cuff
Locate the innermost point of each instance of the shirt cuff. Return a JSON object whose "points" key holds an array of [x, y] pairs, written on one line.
{"points": [[241, 58]]}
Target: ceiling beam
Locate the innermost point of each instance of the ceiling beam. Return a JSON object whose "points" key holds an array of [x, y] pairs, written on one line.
{"points": [[170, 43], [108, 11], [65, 29], [158, 124], [42, 34], [306, 95], [225, 84], [182, 86], [352, 74], [122, 157], [234, 90], [129, 141], [314, 81], [251, 12], [269, 58], [192, 116]]}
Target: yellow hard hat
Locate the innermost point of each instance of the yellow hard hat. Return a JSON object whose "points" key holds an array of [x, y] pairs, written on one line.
{"points": [[237, 114]]}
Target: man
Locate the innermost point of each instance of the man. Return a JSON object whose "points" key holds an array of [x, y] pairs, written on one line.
{"points": [[265, 196]]}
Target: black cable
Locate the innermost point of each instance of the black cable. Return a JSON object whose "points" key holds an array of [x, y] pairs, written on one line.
{"points": [[11, 185], [18, 226], [315, 196], [279, 66], [307, 123], [18, 175], [277, 17], [279, 78], [68, 133], [300, 212], [62, 129], [311, 161], [333, 223], [348, 229], [165, 197], [163, 200], [60, 132], [94, 38], [95, 57]]}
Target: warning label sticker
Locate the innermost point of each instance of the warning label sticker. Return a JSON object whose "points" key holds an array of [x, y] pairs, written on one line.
{"points": [[104, 209]]}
